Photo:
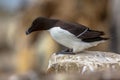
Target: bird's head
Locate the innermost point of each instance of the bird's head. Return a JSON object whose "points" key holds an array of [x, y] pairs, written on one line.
{"points": [[39, 24]]}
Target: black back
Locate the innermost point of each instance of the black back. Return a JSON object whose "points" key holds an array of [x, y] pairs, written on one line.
{"points": [[76, 29]]}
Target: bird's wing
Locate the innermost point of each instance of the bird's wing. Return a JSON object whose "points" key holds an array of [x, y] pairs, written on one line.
{"points": [[82, 32]]}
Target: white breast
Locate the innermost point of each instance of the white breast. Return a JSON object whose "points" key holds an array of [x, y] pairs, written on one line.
{"points": [[63, 37], [67, 39]]}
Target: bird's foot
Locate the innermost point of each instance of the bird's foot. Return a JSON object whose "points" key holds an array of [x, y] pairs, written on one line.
{"points": [[66, 51]]}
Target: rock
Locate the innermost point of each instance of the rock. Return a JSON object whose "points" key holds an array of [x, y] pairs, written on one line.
{"points": [[84, 62]]}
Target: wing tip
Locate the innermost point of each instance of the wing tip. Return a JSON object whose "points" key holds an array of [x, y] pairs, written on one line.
{"points": [[95, 39], [105, 38]]}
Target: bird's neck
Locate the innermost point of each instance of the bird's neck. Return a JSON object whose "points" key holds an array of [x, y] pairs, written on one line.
{"points": [[50, 24]]}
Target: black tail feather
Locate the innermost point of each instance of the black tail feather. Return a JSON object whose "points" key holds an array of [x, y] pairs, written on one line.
{"points": [[91, 34], [94, 39]]}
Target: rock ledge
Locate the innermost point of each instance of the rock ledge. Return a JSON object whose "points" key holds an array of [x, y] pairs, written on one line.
{"points": [[87, 61]]}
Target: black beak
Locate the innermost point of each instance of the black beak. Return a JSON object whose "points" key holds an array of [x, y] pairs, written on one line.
{"points": [[27, 32]]}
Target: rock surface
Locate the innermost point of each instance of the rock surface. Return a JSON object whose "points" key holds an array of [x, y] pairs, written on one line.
{"points": [[84, 62]]}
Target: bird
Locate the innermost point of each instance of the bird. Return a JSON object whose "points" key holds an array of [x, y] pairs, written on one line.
{"points": [[76, 37]]}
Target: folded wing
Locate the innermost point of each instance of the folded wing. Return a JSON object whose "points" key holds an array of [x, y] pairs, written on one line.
{"points": [[77, 29]]}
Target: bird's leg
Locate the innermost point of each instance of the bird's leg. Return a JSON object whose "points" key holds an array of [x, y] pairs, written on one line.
{"points": [[66, 51]]}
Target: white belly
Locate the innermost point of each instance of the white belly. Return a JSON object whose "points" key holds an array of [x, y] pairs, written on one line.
{"points": [[69, 40]]}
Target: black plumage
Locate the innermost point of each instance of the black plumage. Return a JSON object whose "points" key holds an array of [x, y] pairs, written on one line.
{"points": [[76, 29]]}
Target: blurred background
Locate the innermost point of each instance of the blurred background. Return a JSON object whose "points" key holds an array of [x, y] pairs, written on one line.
{"points": [[20, 53]]}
